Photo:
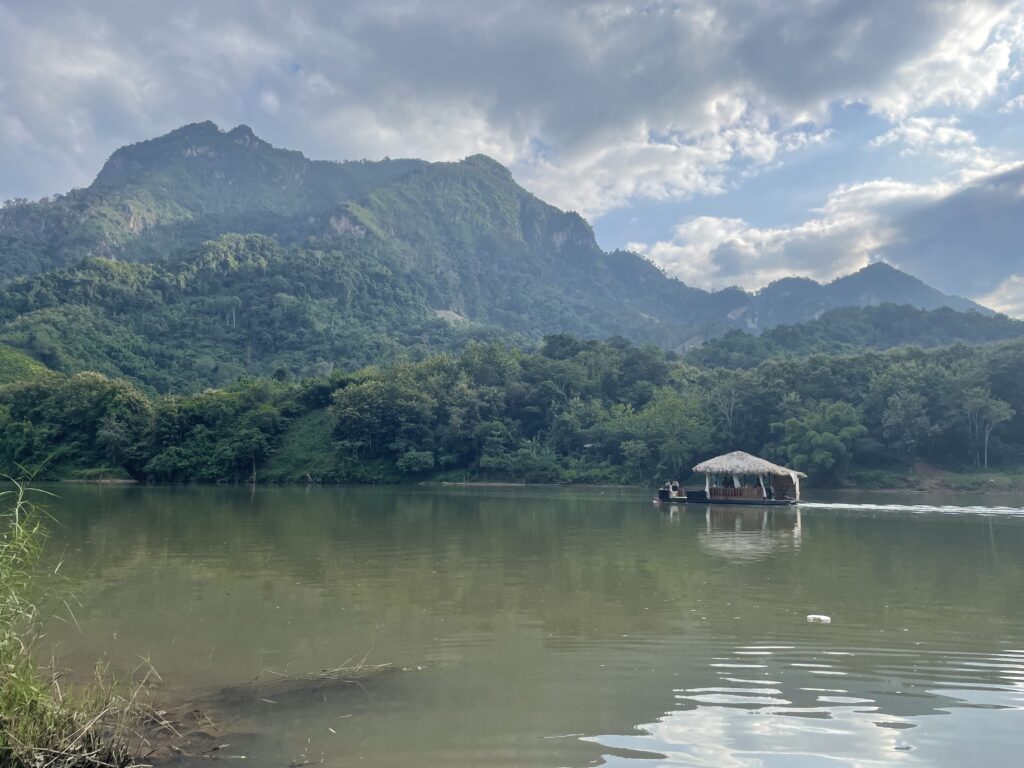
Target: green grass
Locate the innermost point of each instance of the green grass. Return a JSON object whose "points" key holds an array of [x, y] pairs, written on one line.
{"points": [[43, 721]]}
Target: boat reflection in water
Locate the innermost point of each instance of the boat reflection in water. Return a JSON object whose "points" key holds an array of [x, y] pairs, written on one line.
{"points": [[744, 533]]}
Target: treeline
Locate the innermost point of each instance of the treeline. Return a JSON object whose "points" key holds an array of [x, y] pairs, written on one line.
{"points": [[575, 411], [853, 329]]}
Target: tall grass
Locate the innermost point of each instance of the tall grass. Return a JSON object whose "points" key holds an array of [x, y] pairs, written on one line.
{"points": [[45, 723]]}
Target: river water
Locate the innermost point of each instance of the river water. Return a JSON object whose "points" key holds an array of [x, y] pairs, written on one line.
{"points": [[562, 627]]}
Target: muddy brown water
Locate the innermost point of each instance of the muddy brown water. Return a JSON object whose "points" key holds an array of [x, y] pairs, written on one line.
{"points": [[564, 627]]}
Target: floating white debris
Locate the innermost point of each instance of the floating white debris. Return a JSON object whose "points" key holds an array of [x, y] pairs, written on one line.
{"points": [[817, 618]]}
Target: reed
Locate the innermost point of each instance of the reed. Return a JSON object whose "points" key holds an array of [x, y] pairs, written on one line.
{"points": [[45, 722]]}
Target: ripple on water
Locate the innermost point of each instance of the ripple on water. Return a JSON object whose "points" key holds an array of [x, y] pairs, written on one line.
{"points": [[895, 707]]}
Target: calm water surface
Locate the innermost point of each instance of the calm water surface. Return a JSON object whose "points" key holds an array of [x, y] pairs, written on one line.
{"points": [[548, 627]]}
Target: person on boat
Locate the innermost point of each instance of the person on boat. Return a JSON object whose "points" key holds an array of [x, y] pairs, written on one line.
{"points": [[675, 487]]}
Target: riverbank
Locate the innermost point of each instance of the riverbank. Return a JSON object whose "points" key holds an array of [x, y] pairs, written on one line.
{"points": [[921, 477], [924, 477]]}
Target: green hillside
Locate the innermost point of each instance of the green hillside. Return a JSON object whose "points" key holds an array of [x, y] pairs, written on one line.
{"points": [[203, 255], [853, 329], [16, 366]]}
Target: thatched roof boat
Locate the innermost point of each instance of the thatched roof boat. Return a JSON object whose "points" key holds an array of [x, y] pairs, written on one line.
{"points": [[740, 463], [740, 478]]}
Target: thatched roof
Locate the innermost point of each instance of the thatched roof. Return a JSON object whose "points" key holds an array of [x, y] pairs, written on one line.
{"points": [[740, 463]]}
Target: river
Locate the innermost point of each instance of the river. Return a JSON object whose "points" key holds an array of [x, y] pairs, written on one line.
{"points": [[565, 627]]}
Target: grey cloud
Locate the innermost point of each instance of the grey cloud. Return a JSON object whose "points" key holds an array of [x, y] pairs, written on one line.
{"points": [[967, 242]]}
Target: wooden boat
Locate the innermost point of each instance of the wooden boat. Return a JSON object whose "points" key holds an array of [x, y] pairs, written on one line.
{"points": [[739, 478]]}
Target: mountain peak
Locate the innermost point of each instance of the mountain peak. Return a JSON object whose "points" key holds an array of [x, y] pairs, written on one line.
{"points": [[197, 149], [242, 134], [882, 283], [879, 268], [487, 164], [205, 129]]}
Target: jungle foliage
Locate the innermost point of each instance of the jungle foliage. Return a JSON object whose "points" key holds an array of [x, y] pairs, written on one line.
{"points": [[574, 411]]}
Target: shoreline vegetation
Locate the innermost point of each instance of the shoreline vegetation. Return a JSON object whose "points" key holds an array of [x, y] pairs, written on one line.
{"points": [[573, 412], [880, 481], [44, 720]]}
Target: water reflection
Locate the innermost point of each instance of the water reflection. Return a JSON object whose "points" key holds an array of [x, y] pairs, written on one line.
{"points": [[749, 534]]}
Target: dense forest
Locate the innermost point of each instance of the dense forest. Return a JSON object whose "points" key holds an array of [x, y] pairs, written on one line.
{"points": [[574, 411], [246, 305]]}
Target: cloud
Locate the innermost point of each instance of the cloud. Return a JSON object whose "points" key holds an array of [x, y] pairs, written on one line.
{"points": [[1008, 297], [847, 233], [917, 133], [946, 143], [593, 105], [965, 66], [964, 239], [1013, 105]]}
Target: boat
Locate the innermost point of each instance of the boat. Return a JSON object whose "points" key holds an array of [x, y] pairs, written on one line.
{"points": [[739, 478]]}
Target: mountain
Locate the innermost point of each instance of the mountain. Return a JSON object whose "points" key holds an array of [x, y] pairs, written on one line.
{"points": [[855, 329], [793, 299], [169, 194], [205, 254]]}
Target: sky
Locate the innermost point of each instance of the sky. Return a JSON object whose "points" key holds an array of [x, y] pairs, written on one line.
{"points": [[731, 142]]}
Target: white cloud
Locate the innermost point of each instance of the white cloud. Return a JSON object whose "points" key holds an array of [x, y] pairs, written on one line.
{"points": [[659, 169], [917, 133], [1013, 105], [962, 237], [269, 101], [1008, 297], [963, 68], [848, 232], [946, 143], [594, 105]]}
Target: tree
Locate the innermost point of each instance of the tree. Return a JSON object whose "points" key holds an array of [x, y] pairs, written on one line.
{"points": [[995, 413], [981, 414], [905, 422], [415, 462], [725, 397], [636, 453], [820, 441]]}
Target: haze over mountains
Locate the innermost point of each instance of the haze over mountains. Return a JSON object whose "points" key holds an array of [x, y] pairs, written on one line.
{"points": [[203, 254]]}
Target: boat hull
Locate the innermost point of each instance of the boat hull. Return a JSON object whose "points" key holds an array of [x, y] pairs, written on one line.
{"points": [[700, 497]]}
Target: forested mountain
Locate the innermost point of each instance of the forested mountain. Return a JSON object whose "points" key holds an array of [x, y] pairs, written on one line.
{"points": [[214, 308], [853, 329], [203, 254], [164, 196], [795, 299]]}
